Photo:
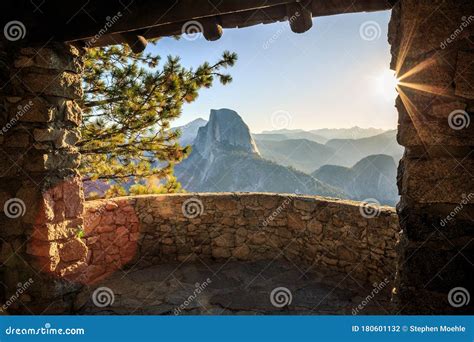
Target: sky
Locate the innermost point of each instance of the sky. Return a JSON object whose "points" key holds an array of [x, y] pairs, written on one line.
{"points": [[336, 75]]}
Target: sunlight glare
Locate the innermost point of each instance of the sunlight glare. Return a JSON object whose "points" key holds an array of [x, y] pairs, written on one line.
{"points": [[386, 84]]}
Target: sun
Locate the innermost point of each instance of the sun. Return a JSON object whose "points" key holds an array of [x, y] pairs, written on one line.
{"points": [[386, 84]]}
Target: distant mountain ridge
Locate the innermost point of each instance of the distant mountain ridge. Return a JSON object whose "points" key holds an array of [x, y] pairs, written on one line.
{"points": [[290, 134], [371, 177], [347, 133], [226, 158], [306, 156], [302, 154], [352, 150], [328, 133], [189, 131]]}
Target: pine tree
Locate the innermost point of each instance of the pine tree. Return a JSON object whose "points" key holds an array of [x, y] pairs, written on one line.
{"points": [[129, 102]]}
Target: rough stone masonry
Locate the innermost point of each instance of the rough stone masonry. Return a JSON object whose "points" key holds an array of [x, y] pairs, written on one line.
{"points": [[307, 230], [432, 46], [40, 188]]}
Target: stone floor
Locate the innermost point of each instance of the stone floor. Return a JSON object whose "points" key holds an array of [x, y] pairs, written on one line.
{"points": [[234, 288]]}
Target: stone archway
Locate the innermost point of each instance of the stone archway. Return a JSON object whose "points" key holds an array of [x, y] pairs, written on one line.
{"points": [[432, 52]]}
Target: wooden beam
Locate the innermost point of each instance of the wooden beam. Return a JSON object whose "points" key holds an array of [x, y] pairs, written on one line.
{"points": [[84, 19], [212, 30], [332, 7], [136, 42], [100, 22], [299, 16]]}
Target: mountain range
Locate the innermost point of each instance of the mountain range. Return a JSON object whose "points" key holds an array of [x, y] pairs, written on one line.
{"points": [[302, 154], [372, 177], [296, 134], [189, 131], [226, 156], [324, 134]]}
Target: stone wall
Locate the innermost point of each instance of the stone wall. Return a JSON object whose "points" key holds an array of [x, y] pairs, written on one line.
{"points": [[308, 231], [433, 55], [40, 189]]}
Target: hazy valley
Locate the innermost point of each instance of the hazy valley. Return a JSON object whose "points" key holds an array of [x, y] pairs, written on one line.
{"points": [[353, 163]]}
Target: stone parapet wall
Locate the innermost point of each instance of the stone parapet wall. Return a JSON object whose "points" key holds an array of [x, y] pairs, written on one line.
{"points": [[309, 231]]}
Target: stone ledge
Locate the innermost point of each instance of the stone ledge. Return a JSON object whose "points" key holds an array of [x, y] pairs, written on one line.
{"points": [[234, 195]]}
